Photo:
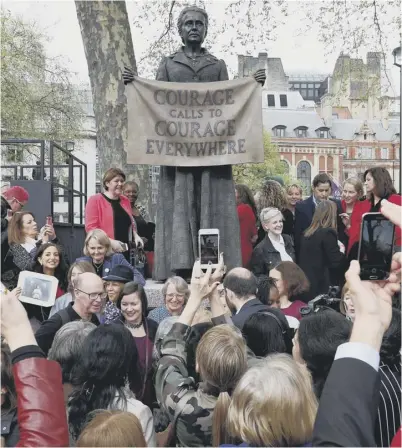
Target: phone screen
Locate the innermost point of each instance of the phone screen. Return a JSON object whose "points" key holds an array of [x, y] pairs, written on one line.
{"points": [[376, 244], [209, 248]]}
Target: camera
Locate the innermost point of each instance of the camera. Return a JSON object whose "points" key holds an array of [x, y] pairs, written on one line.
{"points": [[324, 301]]}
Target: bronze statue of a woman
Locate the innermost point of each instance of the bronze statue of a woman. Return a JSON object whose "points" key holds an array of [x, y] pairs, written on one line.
{"points": [[193, 198]]}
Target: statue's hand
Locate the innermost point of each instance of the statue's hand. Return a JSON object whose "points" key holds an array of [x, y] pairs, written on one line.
{"points": [[128, 76], [260, 76]]}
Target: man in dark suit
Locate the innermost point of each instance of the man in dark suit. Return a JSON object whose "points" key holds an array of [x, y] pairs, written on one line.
{"points": [[240, 287], [305, 209]]}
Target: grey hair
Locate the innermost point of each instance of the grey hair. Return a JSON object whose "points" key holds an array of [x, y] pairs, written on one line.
{"points": [[184, 11], [67, 345], [268, 213], [180, 284]]}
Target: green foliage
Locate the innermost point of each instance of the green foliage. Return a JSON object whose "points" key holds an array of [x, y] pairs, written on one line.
{"points": [[37, 98], [254, 174]]}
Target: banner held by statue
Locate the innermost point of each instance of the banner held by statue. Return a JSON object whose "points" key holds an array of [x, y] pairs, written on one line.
{"points": [[194, 124]]}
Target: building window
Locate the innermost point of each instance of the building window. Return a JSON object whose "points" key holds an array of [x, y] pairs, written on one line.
{"points": [[303, 93], [301, 132], [279, 131], [271, 100], [345, 153], [304, 175], [365, 136], [283, 100], [385, 153], [322, 133], [365, 153]]}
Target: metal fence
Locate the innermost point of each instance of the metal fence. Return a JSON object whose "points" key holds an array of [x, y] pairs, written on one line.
{"points": [[30, 159]]}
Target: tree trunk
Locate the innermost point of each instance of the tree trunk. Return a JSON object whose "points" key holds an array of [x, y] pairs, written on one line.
{"points": [[106, 35]]}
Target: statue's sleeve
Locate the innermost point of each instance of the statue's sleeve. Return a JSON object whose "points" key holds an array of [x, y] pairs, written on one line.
{"points": [[162, 74], [223, 74]]}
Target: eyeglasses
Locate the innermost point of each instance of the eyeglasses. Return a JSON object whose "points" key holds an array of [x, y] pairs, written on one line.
{"points": [[172, 296], [94, 295], [22, 205]]}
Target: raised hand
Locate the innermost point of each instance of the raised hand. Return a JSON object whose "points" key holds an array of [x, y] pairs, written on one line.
{"points": [[260, 76], [128, 75]]}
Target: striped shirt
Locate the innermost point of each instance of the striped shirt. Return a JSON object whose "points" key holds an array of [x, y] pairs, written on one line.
{"points": [[389, 409]]}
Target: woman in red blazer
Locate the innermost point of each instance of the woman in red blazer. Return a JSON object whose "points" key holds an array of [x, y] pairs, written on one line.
{"points": [[379, 186], [111, 212], [247, 212]]}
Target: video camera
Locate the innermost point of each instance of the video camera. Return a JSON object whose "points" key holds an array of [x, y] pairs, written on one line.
{"points": [[324, 301]]}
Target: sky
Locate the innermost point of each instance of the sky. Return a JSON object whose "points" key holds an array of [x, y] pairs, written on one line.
{"points": [[299, 49]]}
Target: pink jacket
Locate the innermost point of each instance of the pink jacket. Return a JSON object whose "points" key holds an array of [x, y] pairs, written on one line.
{"points": [[99, 214]]}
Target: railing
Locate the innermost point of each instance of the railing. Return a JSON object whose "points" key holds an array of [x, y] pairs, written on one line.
{"points": [[49, 161]]}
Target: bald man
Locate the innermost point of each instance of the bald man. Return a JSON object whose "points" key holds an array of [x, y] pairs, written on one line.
{"points": [[240, 286], [88, 299]]}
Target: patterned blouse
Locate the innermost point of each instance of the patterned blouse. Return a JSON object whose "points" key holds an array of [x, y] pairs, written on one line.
{"points": [[110, 314], [159, 314]]}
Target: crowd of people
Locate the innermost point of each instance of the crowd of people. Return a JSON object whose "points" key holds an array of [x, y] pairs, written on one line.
{"points": [[238, 358]]}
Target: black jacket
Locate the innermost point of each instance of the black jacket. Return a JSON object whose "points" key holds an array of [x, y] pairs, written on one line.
{"points": [[321, 260], [265, 256], [9, 428], [248, 309], [304, 215], [348, 405]]}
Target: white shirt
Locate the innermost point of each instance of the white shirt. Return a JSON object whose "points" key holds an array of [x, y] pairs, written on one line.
{"points": [[280, 247]]}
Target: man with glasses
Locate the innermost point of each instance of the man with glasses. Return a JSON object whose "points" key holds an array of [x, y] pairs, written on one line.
{"points": [[89, 297]]}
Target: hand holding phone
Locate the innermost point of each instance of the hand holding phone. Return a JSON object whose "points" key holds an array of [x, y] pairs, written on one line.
{"points": [[208, 244], [376, 247], [49, 221]]}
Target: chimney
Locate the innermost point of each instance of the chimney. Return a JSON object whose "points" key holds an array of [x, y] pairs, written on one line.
{"points": [[263, 62]]}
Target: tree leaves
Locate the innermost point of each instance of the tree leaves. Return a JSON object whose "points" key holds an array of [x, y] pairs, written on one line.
{"points": [[37, 98]]}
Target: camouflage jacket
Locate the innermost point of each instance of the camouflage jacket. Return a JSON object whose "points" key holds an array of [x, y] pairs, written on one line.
{"points": [[172, 383]]}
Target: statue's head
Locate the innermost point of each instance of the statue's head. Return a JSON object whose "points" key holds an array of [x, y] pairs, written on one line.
{"points": [[193, 24]]}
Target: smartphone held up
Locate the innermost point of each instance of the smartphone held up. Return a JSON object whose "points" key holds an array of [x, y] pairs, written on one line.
{"points": [[208, 245], [376, 246]]}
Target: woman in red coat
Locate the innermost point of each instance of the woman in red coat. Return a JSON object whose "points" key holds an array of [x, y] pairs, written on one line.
{"points": [[379, 186], [111, 212], [247, 212]]}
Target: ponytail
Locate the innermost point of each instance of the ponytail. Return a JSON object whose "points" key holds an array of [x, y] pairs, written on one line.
{"points": [[219, 432]]}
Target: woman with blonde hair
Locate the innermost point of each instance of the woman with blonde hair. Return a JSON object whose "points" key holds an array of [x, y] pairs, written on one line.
{"points": [[271, 195], [98, 251], [278, 412], [322, 255], [112, 428], [275, 247], [294, 194]]}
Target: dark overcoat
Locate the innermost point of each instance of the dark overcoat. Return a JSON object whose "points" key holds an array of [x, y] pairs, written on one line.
{"points": [[193, 198]]}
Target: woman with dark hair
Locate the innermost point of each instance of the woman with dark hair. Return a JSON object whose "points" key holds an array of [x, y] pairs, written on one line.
{"points": [[247, 212], [389, 409], [289, 288], [109, 362], [268, 332], [321, 255], [49, 260], [379, 186], [133, 305], [316, 342], [10, 433]]}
